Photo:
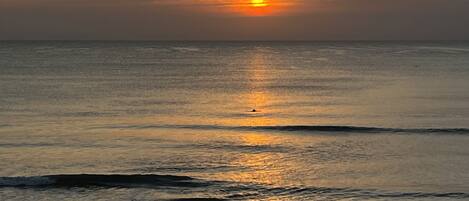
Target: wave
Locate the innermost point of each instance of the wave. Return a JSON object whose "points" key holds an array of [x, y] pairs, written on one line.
{"points": [[97, 180], [186, 49], [301, 128], [354, 129], [197, 199], [287, 193], [233, 190]]}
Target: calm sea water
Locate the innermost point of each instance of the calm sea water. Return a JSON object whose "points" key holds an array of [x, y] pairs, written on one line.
{"points": [[175, 120]]}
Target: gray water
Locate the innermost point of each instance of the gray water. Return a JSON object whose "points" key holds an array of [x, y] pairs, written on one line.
{"points": [[234, 120]]}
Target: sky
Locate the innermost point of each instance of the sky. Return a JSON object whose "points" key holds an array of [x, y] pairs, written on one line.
{"points": [[234, 20]]}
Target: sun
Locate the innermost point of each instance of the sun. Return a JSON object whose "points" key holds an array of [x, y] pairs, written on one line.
{"points": [[258, 3], [259, 8]]}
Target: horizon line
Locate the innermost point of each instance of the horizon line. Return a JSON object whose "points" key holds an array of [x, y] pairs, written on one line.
{"points": [[139, 40]]}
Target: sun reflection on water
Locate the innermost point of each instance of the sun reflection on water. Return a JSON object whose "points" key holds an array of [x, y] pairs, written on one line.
{"points": [[259, 97], [263, 167]]}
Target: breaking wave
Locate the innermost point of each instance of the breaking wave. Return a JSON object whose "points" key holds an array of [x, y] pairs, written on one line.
{"points": [[301, 128], [232, 190], [90, 180]]}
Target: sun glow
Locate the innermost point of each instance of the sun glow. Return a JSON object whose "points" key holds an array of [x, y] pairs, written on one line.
{"points": [[259, 8], [258, 3]]}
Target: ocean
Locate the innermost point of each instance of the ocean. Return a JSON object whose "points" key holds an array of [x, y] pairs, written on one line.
{"points": [[143, 120]]}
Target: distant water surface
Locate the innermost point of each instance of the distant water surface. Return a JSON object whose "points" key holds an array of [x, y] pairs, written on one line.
{"points": [[234, 120]]}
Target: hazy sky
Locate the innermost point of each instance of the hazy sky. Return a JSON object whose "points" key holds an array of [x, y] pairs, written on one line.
{"points": [[235, 19]]}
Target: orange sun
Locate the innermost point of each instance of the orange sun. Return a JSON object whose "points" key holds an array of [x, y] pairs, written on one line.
{"points": [[259, 8], [258, 3]]}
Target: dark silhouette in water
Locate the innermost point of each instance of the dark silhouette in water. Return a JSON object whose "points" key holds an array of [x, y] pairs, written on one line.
{"points": [[254, 110], [101, 180]]}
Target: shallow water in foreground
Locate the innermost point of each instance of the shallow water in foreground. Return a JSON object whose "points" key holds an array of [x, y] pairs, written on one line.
{"points": [[174, 120]]}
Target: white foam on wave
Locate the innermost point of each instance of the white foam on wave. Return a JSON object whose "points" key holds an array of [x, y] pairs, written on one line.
{"points": [[60, 49], [152, 49], [334, 51], [445, 49], [186, 49], [321, 59], [405, 51]]}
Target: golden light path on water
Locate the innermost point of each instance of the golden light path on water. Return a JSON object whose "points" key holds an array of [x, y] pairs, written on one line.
{"points": [[260, 167], [258, 97], [256, 76]]}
